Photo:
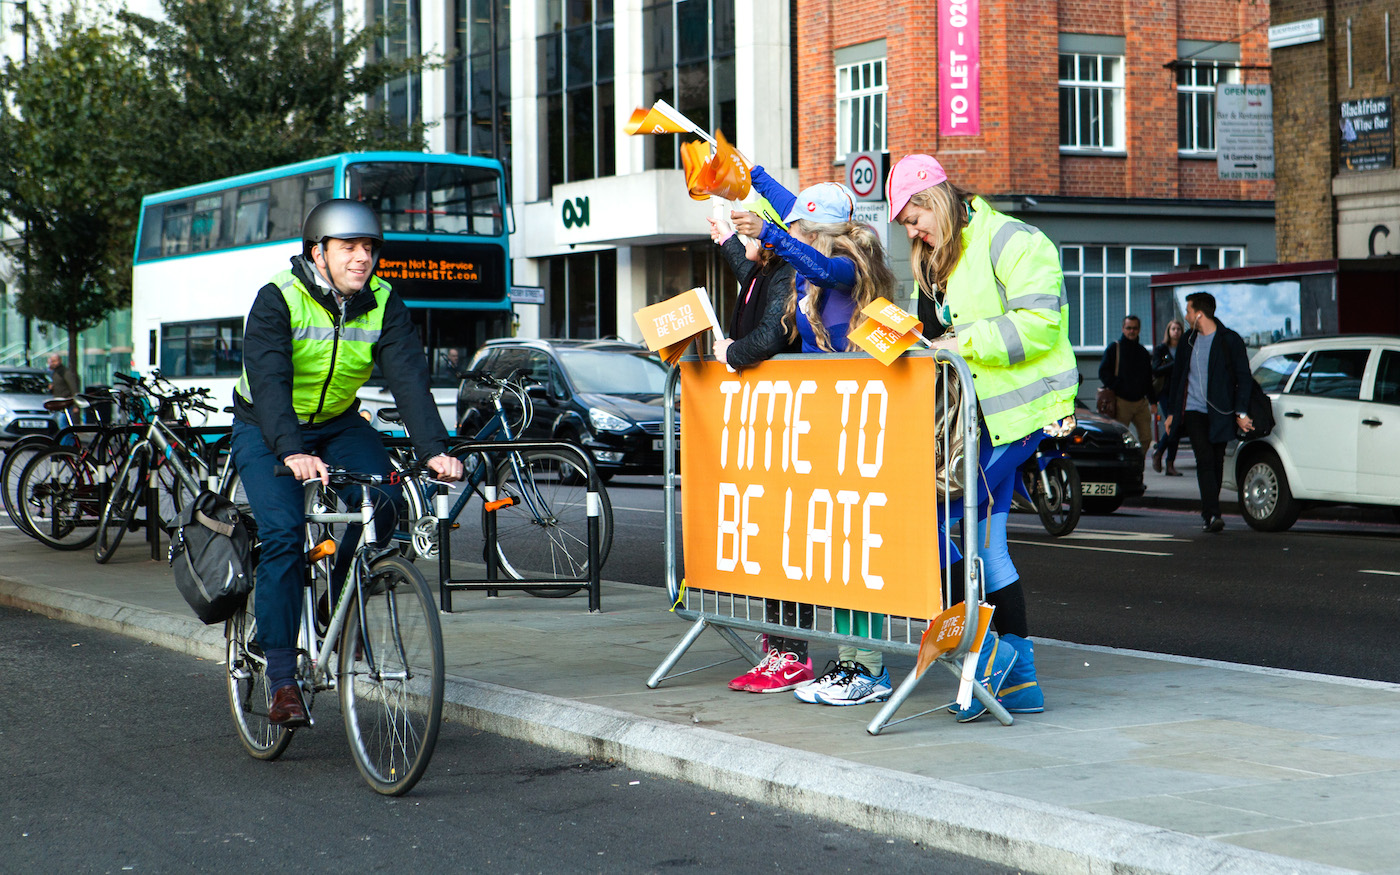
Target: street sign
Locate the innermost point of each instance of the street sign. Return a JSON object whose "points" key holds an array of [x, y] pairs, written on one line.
{"points": [[527, 294], [865, 175]]}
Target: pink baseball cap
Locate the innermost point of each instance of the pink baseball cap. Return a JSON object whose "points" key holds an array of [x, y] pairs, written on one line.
{"points": [[825, 203], [911, 175]]}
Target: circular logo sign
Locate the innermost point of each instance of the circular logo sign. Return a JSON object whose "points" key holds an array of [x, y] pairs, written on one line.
{"points": [[862, 176]]}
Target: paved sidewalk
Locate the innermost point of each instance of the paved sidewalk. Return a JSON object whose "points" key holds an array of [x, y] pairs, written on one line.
{"points": [[1141, 763]]}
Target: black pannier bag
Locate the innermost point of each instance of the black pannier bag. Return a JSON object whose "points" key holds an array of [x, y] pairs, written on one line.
{"points": [[211, 553]]}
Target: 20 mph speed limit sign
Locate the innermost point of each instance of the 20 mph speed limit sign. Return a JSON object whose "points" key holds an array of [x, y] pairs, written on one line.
{"points": [[865, 175]]}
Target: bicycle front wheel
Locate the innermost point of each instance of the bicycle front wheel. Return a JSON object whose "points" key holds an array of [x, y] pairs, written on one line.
{"points": [[59, 499], [391, 677], [543, 534], [120, 509], [248, 696]]}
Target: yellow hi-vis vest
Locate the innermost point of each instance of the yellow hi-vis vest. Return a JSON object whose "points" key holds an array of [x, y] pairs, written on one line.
{"points": [[329, 362], [1007, 300]]}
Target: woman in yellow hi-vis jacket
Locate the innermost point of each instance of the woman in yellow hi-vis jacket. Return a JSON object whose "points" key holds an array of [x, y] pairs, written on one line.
{"points": [[996, 283]]}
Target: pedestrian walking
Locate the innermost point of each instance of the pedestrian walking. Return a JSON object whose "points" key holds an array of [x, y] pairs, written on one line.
{"points": [[64, 383], [1213, 384], [1126, 369], [997, 283], [1163, 362]]}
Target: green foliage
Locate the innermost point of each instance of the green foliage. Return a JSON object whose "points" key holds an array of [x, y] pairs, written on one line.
{"points": [[104, 113], [74, 159], [252, 84]]}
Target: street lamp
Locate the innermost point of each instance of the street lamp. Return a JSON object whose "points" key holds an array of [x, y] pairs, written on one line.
{"points": [[23, 7]]}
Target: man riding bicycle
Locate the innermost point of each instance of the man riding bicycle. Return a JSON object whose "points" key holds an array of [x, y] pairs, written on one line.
{"points": [[312, 338]]}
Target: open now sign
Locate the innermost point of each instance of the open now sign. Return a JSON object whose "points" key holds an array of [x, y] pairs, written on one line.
{"points": [[812, 480]]}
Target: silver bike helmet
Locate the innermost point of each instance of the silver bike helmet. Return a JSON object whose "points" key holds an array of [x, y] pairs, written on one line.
{"points": [[342, 219]]}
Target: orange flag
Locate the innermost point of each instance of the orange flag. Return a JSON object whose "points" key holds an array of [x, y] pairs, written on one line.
{"points": [[946, 631], [882, 342], [670, 326], [660, 119], [725, 174], [694, 156]]}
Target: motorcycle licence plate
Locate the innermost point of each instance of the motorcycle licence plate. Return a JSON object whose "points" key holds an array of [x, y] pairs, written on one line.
{"points": [[1098, 488]]}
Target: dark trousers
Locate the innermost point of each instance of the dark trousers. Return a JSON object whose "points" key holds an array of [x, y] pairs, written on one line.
{"points": [[1210, 462], [278, 507]]}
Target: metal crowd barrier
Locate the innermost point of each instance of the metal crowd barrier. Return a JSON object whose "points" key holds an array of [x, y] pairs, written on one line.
{"points": [[729, 613]]}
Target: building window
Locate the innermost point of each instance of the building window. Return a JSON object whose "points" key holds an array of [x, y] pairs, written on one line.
{"points": [[581, 294], [1106, 283], [202, 349], [1091, 102], [860, 108], [1195, 103], [688, 61], [575, 83], [479, 118], [401, 98]]}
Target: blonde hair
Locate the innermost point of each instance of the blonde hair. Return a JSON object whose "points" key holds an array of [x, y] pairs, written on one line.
{"points": [[874, 279], [1167, 334], [934, 264]]}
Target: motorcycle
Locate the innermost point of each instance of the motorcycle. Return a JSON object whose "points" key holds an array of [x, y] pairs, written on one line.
{"points": [[1049, 485]]}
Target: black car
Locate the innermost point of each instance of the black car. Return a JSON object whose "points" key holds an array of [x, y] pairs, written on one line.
{"points": [[604, 395], [1109, 460]]}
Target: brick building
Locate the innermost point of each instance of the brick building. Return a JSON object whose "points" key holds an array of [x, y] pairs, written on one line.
{"points": [[1334, 103], [1094, 123]]}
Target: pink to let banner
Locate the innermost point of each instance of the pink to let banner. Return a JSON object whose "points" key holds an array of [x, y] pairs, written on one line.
{"points": [[959, 69]]}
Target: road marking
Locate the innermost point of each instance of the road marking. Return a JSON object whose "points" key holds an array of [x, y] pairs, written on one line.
{"points": [[1086, 547], [617, 507], [1082, 534], [1379, 571]]}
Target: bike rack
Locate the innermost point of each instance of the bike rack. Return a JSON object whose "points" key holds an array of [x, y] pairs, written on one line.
{"points": [[493, 581], [727, 612]]}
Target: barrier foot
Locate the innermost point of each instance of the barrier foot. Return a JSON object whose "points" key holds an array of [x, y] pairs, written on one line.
{"points": [[902, 692], [984, 696], [676, 653]]}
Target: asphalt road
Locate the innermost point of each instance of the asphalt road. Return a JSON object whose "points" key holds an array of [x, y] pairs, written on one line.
{"points": [[1322, 597], [120, 756]]}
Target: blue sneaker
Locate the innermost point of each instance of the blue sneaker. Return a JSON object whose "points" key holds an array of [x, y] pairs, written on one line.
{"points": [[857, 687], [1021, 694], [834, 674], [993, 662]]}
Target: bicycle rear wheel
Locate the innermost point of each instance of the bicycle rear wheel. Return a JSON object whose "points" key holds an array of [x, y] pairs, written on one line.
{"points": [[59, 499], [544, 533], [120, 509], [248, 696], [391, 677], [16, 457]]}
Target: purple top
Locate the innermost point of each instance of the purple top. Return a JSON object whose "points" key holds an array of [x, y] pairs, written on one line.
{"points": [[837, 306]]}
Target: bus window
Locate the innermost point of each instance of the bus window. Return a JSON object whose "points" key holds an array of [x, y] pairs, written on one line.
{"points": [[204, 225], [250, 219], [432, 198], [175, 230], [213, 348]]}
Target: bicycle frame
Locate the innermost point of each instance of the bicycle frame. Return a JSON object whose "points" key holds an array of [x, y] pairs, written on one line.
{"points": [[319, 654]]}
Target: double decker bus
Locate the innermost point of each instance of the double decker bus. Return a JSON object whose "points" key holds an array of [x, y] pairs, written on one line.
{"points": [[203, 252]]}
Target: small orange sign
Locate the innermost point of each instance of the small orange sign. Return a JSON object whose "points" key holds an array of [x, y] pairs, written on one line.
{"points": [[892, 316], [670, 326], [660, 119], [946, 631], [882, 342]]}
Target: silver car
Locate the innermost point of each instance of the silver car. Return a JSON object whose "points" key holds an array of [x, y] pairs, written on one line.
{"points": [[23, 392]]}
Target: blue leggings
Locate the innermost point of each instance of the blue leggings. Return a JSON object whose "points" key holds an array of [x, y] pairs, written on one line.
{"points": [[996, 482]]}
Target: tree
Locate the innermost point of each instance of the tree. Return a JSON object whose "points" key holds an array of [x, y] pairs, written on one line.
{"points": [[74, 155], [252, 84]]}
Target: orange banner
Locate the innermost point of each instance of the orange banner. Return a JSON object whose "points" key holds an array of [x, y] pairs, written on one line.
{"points": [[811, 480]]}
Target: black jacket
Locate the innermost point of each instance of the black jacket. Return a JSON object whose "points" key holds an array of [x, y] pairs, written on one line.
{"points": [[1163, 363], [267, 359], [756, 326], [1131, 378], [1228, 381]]}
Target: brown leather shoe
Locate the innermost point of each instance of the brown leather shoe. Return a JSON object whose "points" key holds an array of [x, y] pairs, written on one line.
{"points": [[1172, 472], [287, 709], [1157, 461]]}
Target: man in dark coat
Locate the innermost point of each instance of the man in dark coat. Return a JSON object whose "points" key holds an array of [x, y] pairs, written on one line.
{"points": [[1126, 368], [1212, 383]]}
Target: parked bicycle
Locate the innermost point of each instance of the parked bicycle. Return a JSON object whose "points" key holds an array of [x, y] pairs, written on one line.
{"points": [[383, 636], [541, 503]]}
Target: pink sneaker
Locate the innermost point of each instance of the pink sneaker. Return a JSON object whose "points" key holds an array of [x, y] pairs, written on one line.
{"points": [[741, 683], [782, 674]]}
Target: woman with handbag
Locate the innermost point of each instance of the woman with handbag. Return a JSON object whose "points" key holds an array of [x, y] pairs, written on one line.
{"points": [[997, 282], [1163, 361]]}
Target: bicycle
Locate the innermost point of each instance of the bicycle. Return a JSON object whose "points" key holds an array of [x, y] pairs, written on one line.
{"points": [[385, 632], [541, 503], [179, 453], [72, 435]]}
